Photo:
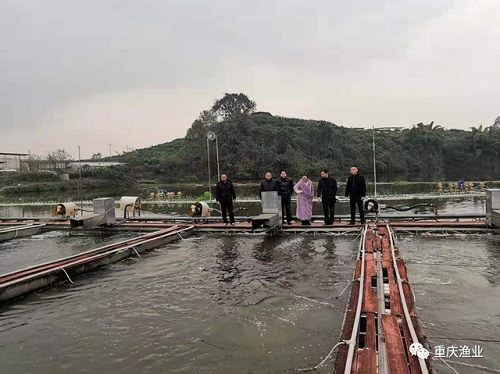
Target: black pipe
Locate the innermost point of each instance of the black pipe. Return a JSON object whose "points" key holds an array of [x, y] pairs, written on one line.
{"points": [[412, 207]]}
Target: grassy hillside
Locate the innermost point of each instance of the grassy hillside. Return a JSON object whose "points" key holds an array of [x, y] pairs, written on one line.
{"points": [[250, 145]]}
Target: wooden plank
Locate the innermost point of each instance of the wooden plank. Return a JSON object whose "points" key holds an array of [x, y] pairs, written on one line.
{"points": [[357, 272], [367, 357], [368, 246], [349, 321], [371, 333], [355, 362], [386, 253], [344, 349], [406, 286], [366, 362], [377, 243], [341, 359], [451, 224], [369, 297], [402, 270], [395, 298], [416, 326], [420, 337], [347, 328], [353, 301], [414, 365], [409, 298], [369, 234], [396, 355]]}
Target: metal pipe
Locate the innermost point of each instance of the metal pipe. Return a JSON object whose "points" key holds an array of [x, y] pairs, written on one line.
{"points": [[352, 340], [423, 366]]}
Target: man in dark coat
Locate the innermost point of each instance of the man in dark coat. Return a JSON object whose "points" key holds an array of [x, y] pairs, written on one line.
{"points": [[356, 190], [267, 184], [327, 194], [285, 190], [224, 195]]}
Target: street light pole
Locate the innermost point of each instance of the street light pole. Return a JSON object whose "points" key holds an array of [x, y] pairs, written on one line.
{"points": [[217, 151], [211, 136], [374, 164], [209, 180]]}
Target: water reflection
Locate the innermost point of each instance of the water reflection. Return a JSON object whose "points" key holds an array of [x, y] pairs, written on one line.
{"points": [[227, 255], [492, 272], [264, 252]]}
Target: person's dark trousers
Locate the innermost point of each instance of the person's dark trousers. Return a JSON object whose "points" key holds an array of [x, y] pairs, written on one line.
{"points": [[226, 206], [286, 206], [328, 210], [353, 202]]}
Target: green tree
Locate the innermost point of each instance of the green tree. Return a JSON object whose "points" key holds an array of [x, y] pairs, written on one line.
{"points": [[33, 162], [205, 121], [232, 105], [58, 158], [496, 124]]}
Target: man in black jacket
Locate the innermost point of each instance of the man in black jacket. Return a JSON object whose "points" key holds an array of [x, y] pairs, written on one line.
{"points": [[327, 191], [224, 195], [285, 190], [356, 190], [267, 184]]}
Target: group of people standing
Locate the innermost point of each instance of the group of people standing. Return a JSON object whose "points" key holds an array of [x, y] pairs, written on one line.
{"points": [[326, 194]]}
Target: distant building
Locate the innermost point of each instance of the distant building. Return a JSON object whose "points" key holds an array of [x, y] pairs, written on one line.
{"points": [[11, 162], [92, 164]]}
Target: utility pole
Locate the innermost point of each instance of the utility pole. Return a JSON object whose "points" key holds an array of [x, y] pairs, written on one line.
{"points": [[374, 164], [109, 149], [211, 136], [80, 180], [209, 179], [218, 163]]}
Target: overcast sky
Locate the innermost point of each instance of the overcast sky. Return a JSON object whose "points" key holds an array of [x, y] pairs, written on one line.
{"points": [[136, 73]]}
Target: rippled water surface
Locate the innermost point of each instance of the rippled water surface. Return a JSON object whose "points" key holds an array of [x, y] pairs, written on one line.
{"points": [[23, 252], [456, 280], [238, 303], [212, 304]]}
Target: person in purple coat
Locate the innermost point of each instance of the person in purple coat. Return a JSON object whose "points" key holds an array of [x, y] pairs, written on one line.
{"points": [[305, 195]]}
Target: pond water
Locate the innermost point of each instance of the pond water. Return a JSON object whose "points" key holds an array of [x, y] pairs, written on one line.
{"points": [[213, 304], [458, 205], [241, 304], [237, 303]]}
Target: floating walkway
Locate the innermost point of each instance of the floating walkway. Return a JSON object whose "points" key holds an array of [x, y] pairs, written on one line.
{"points": [[20, 231], [465, 223], [380, 323], [36, 277]]}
